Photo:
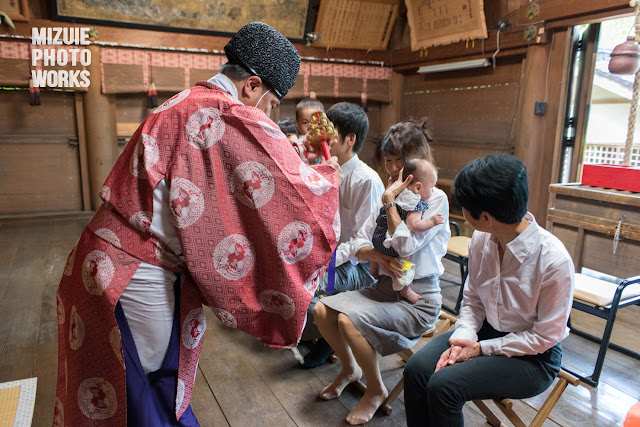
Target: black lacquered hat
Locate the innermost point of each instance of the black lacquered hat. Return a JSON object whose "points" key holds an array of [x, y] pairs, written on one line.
{"points": [[266, 53]]}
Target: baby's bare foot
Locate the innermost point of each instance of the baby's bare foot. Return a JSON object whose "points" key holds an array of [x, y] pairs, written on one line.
{"points": [[409, 294]]}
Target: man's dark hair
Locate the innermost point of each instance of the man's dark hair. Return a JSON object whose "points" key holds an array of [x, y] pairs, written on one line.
{"points": [[496, 184], [237, 73], [308, 103], [349, 119], [288, 125], [234, 71]]}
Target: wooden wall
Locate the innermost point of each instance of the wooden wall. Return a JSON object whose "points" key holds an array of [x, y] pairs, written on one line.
{"points": [[39, 154], [473, 112], [40, 172], [478, 111]]}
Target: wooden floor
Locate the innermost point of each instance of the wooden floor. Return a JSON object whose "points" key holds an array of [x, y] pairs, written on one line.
{"points": [[241, 382]]}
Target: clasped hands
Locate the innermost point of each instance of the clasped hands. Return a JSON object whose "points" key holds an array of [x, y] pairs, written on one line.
{"points": [[460, 351]]}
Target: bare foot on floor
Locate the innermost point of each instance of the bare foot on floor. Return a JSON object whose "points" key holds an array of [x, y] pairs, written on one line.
{"points": [[410, 294], [343, 379], [367, 407]]}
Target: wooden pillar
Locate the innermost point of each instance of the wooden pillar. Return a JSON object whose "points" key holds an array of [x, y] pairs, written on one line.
{"points": [[391, 114], [536, 135], [100, 126]]}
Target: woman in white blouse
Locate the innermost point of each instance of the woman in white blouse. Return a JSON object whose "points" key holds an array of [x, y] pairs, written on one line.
{"points": [[375, 321], [517, 301]]}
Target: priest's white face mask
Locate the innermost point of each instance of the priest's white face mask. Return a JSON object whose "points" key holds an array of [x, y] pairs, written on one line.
{"points": [[271, 103], [263, 95]]}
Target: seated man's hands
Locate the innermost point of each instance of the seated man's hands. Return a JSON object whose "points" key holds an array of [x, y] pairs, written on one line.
{"points": [[460, 351]]}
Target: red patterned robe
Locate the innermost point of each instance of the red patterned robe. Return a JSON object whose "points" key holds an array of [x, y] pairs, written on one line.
{"points": [[256, 225]]}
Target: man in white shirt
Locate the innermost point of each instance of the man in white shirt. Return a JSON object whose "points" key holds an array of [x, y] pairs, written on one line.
{"points": [[517, 301], [360, 191]]}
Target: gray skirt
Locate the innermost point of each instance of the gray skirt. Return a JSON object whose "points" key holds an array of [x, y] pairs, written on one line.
{"points": [[389, 322]]}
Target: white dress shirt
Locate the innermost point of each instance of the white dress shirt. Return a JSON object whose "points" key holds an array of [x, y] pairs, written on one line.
{"points": [[424, 249], [360, 192], [529, 295]]}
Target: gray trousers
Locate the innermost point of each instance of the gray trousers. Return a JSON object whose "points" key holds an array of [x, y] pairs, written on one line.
{"points": [[349, 277]]}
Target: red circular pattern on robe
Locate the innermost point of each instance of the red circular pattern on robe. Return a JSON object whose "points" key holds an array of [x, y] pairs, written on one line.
{"points": [[295, 242], [252, 184], [311, 285], [141, 220], [60, 309], [76, 329], [195, 323], [68, 268], [145, 155], [273, 132], [116, 344], [187, 202], [316, 182], [58, 414], [278, 303], [226, 317], [204, 128], [109, 236], [337, 227], [97, 399], [173, 101], [234, 257], [97, 272]]}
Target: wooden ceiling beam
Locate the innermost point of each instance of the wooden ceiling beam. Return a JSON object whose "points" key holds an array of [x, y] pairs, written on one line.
{"points": [[148, 39]]}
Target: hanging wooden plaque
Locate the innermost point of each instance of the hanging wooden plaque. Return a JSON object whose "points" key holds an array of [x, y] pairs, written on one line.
{"points": [[441, 22], [356, 24]]}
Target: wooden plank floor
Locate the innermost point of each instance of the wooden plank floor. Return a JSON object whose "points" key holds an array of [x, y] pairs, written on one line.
{"points": [[241, 382]]}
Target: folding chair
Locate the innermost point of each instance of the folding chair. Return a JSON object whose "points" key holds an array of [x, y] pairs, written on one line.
{"points": [[603, 299], [506, 405], [458, 252]]}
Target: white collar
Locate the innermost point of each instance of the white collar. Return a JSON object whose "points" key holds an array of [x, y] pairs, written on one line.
{"points": [[225, 83], [523, 243], [349, 165]]}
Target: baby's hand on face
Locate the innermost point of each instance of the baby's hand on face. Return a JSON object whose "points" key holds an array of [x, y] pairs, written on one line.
{"points": [[437, 219]]}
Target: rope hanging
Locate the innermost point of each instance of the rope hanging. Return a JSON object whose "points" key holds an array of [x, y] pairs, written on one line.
{"points": [[633, 114]]}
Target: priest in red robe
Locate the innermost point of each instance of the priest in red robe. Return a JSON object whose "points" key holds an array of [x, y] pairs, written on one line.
{"points": [[208, 204]]}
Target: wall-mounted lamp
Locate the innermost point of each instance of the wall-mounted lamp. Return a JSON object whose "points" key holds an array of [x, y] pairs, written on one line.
{"points": [[450, 66]]}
